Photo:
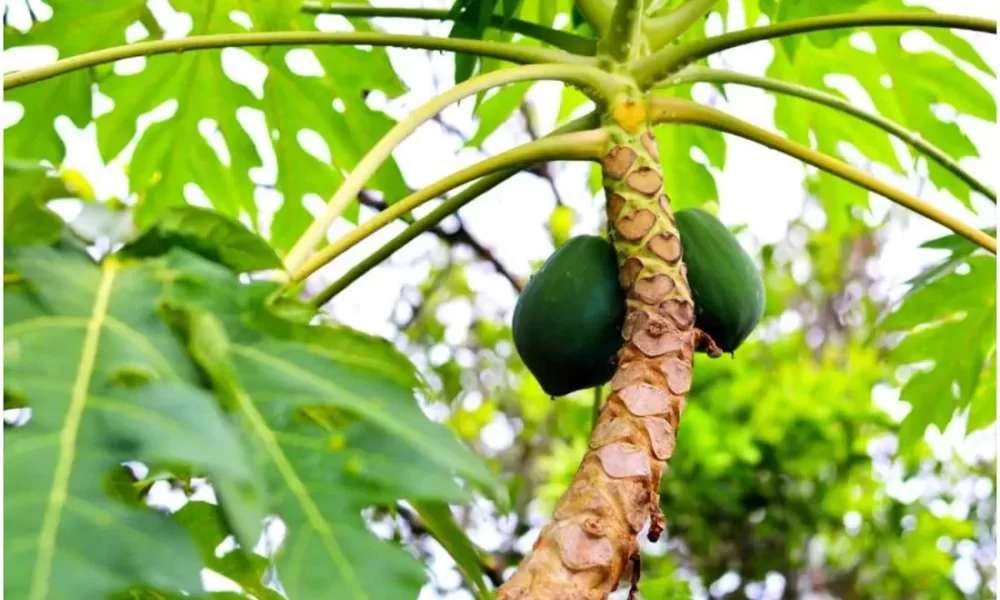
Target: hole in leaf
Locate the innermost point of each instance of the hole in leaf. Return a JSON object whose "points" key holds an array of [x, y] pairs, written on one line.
{"points": [[314, 145], [303, 61]]}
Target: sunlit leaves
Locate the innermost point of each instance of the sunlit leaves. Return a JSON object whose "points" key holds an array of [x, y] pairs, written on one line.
{"points": [[202, 152], [497, 109], [949, 316], [330, 104], [34, 137], [904, 86], [688, 178]]}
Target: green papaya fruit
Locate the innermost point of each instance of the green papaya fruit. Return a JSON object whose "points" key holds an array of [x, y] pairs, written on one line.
{"points": [[567, 321], [726, 286]]}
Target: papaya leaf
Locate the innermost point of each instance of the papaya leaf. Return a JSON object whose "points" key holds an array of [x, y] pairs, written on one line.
{"points": [[207, 526], [496, 110], [439, 521], [950, 324], [331, 420], [471, 18], [209, 234], [931, 79], [26, 219], [107, 382], [174, 153], [331, 105], [34, 136], [688, 182]]}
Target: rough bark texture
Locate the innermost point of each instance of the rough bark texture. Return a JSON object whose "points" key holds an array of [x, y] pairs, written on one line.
{"points": [[583, 553]]}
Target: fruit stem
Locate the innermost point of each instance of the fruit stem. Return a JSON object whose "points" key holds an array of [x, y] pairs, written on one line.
{"points": [[676, 110]]}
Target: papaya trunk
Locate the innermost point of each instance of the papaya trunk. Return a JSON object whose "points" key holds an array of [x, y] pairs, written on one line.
{"points": [[583, 553]]}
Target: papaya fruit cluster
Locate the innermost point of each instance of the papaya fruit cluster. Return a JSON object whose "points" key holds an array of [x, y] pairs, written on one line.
{"points": [[568, 320]]}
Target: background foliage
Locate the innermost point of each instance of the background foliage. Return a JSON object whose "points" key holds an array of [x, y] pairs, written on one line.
{"points": [[798, 469]]}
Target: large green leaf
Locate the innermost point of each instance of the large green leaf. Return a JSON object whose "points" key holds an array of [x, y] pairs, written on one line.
{"points": [[950, 319], [26, 219], [34, 137], [175, 153], [209, 234], [331, 420], [903, 86], [331, 105], [107, 382], [689, 182], [437, 518]]}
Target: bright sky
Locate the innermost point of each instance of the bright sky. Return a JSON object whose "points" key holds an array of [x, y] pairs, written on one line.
{"points": [[759, 187]]}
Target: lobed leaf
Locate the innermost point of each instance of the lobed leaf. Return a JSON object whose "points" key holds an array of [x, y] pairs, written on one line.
{"points": [[107, 382]]}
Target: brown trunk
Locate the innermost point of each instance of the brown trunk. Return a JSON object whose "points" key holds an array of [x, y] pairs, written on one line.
{"points": [[583, 553]]}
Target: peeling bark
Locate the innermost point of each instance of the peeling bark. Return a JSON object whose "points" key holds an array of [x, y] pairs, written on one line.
{"points": [[587, 548]]}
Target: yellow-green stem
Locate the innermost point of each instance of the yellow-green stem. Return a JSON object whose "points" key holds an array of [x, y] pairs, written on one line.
{"points": [[674, 110], [448, 207], [584, 145], [652, 69], [515, 53], [693, 74], [570, 42], [664, 29], [622, 40], [595, 82], [597, 13], [443, 210]]}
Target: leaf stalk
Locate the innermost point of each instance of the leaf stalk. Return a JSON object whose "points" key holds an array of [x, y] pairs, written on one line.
{"points": [[515, 53], [585, 145], [570, 42], [596, 83], [654, 68], [675, 110], [694, 74]]}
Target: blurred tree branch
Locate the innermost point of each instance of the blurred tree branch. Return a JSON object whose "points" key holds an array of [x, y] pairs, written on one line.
{"points": [[460, 236]]}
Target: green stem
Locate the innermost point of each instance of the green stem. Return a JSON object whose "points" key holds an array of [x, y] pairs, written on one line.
{"points": [[443, 210], [624, 35], [584, 145], [650, 70], [664, 29], [597, 13], [675, 110], [693, 74], [422, 225], [511, 52], [570, 42], [595, 81]]}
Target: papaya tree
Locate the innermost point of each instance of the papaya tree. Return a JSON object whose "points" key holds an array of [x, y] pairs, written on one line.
{"points": [[187, 349]]}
